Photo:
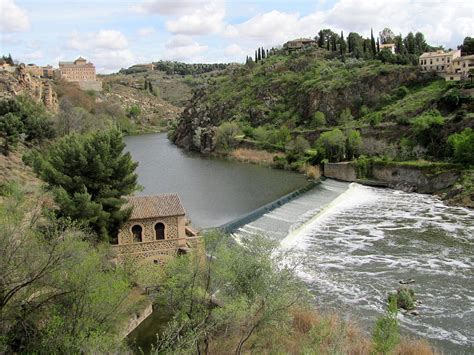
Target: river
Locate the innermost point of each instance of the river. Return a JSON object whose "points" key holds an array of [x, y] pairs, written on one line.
{"points": [[358, 241]]}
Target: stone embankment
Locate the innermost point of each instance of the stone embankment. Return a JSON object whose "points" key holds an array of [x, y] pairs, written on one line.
{"points": [[397, 176]]}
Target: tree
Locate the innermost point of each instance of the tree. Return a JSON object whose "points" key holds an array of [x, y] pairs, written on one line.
{"points": [[332, 145], [226, 135], [345, 116], [372, 43], [420, 43], [259, 55], [256, 56], [462, 146], [467, 46], [90, 175], [58, 294], [10, 129], [318, 120], [251, 281], [386, 36], [427, 128], [399, 47], [321, 39], [386, 335], [298, 146], [378, 46], [409, 43], [353, 143], [342, 44]]}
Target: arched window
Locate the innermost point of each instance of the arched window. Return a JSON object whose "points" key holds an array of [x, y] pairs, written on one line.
{"points": [[137, 233], [159, 231]]}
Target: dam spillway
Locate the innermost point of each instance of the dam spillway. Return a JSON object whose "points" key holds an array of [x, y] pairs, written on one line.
{"points": [[358, 242]]}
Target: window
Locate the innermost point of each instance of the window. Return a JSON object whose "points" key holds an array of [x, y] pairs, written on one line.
{"points": [[137, 233], [159, 231]]}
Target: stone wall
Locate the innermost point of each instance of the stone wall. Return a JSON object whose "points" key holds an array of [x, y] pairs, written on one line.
{"points": [[397, 176], [172, 229], [340, 171], [90, 85]]}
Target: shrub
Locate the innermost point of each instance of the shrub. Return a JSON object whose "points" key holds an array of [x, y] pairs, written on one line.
{"points": [[462, 146], [364, 110], [353, 143], [372, 147], [318, 120], [404, 298], [345, 117], [298, 146], [332, 145], [386, 335], [10, 128], [401, 92], [364, 167], [134, 111], [226, 135]]}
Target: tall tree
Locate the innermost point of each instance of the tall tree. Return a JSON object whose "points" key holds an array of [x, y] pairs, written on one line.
{"points": [[467, 46], [420, 43], [342, 44], [259, 54], [386, 36], [256, 56], [409, 43], [321, 39], [372, 42], [90, 175], [378, 45]]}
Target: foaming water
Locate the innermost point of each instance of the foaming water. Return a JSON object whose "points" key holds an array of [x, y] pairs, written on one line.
{"points": [[361, 244]]}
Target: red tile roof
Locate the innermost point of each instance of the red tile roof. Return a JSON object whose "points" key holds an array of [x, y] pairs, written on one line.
{"points": [[155, 206]]}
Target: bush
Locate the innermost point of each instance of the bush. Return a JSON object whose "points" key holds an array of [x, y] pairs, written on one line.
{"points": [[298, 146], [10, 128], [372, 147], [386, 335], [345, 117], [353, 143], [226, 135], [134, 111], [404, 298], [318, 120], [462, 146], [401, 92], [332, 145]]}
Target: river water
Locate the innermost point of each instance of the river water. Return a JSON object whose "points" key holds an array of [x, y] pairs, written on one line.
{"points": [[357, 241], [213, 191]]}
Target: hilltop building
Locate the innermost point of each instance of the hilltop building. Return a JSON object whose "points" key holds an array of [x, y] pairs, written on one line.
{"points": [[39, 71], [156, 230], [389, 46], [449, 65], [80, 71], [299, 43]]}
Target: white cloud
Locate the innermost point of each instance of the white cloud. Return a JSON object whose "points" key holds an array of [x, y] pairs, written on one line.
{"points": [[169, 7], [206, 19], [234, 51], [145, 31], [184, 48], [12, 17], [33, 56]]}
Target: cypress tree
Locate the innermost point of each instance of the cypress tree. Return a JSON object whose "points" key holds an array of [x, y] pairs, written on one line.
{"points": [[259, 54], [372, 42], [268, 53], [378, 45], [327, 44], [263, 53], [365, 46], [256, 58], [321, 39], [342, 44]]}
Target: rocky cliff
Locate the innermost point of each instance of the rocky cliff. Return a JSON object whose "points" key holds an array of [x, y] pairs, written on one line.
{"points": [[20, 82]]}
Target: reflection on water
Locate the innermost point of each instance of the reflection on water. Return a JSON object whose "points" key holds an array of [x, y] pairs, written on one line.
{"points": [[213, 191]]}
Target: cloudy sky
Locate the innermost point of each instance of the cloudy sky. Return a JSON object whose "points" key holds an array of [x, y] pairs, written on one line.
{"points": [[117, 33]]}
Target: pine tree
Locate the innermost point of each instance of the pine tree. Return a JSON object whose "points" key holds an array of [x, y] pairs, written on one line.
{"points": [[321, 39], [10, 129], [89, 176], [334, 43], [372, 42]]}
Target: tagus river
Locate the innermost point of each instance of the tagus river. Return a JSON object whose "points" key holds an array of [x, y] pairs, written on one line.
{"points": [[358, 241]]}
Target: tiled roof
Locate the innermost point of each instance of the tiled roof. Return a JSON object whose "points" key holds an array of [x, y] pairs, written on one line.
{"points": [[155, 206]]}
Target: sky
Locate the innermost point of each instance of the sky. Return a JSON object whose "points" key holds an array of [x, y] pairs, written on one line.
{"points": [[115, 34]]}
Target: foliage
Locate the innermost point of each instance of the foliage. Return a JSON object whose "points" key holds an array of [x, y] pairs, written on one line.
{"points": [[58, 294], [462, 146], [353, 144], [404, 298], [249, 281], [364, 167], [345, 117], [332, 145], [35, 122], [427, 128], [226, 135], [89, 175], [298, 146], [372, 147], [10, 128], [386, 335], [467, 47], [318, 120]]}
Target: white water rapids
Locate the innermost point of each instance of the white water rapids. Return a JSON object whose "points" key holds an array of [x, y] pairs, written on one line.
{"points": [[360, 241]]}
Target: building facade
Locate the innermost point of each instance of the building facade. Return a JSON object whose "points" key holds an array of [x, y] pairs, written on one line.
{"points": [[299, 43], [439, 61], [39, 71], [156, 230], [79, 70], [389, 46]]}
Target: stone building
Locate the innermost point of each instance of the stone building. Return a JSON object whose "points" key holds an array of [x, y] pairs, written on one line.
{"points": [[156, 230], [80, 71], [39, 71], [299, 43], [389, 46], [439, 61], [463, 68]]}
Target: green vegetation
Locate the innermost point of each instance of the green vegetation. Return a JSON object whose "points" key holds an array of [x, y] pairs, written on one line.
{"points": [[404, 298], [23, 116], [462, 145], [58, 293], [386, 334], [173, 67], [89, 175]]}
